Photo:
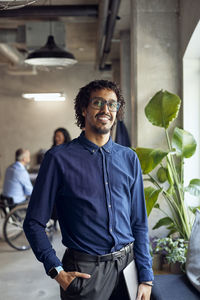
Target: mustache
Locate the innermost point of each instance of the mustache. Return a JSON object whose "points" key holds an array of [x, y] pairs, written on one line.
{"points": [[103, 114]]}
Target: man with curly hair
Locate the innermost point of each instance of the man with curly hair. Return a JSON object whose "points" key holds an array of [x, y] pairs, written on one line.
{"points": [[97, 188]]}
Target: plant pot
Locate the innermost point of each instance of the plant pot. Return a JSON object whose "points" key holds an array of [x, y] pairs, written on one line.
{"points": [[175, 268], [157, 261]]}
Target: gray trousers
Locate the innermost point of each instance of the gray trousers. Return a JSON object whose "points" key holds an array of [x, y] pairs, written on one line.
{"points": [[106, 282]]}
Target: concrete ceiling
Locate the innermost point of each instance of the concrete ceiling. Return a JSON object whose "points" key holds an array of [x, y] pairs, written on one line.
{"points": [[80, 31]]}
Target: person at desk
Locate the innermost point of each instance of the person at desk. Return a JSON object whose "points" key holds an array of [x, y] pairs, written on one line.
{"points": [[17, 184], [98, 190]]}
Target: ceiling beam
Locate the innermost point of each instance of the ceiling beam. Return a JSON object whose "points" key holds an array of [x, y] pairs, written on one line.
{"points": [[111, 20], [101, 30], [49, 11]]}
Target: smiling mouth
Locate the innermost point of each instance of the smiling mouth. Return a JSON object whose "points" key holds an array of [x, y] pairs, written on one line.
{"points": [[103, 118]]}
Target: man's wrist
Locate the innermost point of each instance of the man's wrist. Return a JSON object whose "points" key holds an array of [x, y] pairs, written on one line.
{"points": [[149, 283], [53, 272]]}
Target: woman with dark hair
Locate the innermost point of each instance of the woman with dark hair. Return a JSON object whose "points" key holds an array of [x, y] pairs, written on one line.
{"points": [[61, 136]]}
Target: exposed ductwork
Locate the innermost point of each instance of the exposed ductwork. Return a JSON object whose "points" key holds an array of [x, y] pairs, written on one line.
{"points": [[11, 4], [107, 21], [12, 54], [51, 11], [101, 30], [16, 60]]}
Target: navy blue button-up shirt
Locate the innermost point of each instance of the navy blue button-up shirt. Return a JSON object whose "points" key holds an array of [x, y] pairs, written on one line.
{"points": [[99, 199]]}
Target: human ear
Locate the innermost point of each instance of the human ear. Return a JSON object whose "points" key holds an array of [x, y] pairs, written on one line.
{"points": [[83, 112]]}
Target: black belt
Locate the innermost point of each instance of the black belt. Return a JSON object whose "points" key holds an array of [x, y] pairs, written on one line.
{"points": [[80, 256]]}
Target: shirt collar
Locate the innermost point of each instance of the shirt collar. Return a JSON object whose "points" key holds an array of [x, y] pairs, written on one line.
{"points": [[93, 148], [20, 165]]}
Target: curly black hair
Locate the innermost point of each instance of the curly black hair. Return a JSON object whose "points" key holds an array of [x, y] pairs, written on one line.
{"points": [[82, 99]]}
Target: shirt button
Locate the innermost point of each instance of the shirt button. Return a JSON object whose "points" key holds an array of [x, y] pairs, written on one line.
{"points": [[106, 182], [111, 229], [109, 205], [93, 150]]}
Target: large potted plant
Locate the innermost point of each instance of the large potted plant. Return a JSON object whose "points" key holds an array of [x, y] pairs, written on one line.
{"points": [[164, 168]]}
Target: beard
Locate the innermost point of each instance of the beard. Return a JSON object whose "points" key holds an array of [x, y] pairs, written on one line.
{"points": [[100, 130]]}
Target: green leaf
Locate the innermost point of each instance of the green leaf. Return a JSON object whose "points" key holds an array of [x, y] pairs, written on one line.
{"points": [[193, 209], [163, 108], [151, 196], [194, 187], [170, 174], [184, 143], [162, 174], [170, 179], [157, 206], [163, 222], [150, 158]]}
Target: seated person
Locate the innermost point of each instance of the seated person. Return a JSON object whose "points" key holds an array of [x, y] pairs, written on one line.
{"points": [[17, 184]]}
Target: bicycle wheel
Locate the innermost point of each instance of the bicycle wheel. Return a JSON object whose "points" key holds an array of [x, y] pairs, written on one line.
{"points": [[13, 228]]}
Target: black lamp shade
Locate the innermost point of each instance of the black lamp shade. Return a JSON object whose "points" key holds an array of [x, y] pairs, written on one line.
{"points": [[50, 55]]}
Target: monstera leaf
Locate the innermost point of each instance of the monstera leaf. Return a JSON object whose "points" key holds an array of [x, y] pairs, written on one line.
{"points": [[163, 108], [150, 158], [183, 142]]}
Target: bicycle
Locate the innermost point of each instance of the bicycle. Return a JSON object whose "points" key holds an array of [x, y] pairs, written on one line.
{"points": [[14, 216]]}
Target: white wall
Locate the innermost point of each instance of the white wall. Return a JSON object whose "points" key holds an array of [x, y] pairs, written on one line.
{"points": [[191, 111], [190, 56]]}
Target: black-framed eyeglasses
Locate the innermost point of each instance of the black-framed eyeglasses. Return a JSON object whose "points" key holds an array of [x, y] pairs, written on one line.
{"points": [[98, 103]]}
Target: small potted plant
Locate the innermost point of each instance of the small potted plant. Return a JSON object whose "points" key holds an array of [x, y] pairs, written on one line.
{"points": [[155, 254], [174, 251]]}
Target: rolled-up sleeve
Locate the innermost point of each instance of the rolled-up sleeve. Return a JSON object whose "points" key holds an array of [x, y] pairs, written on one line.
{"points": [[39, 211], [139, 223]]}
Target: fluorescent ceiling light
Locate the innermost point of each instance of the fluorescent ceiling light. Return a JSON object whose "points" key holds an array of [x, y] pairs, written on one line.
{"points": [[44, 96]]}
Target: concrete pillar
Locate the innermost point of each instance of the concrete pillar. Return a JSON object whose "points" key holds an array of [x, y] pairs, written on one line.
{"points": [[154, 62], [116, 70], [125, 63], [115, 78], [133, 71]]}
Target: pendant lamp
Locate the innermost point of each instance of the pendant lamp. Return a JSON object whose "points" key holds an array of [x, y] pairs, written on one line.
{"points": [[50, 55], [12, 4]]}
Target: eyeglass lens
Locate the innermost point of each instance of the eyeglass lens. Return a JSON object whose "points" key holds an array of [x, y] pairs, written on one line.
{"points": [[99, 102]]}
